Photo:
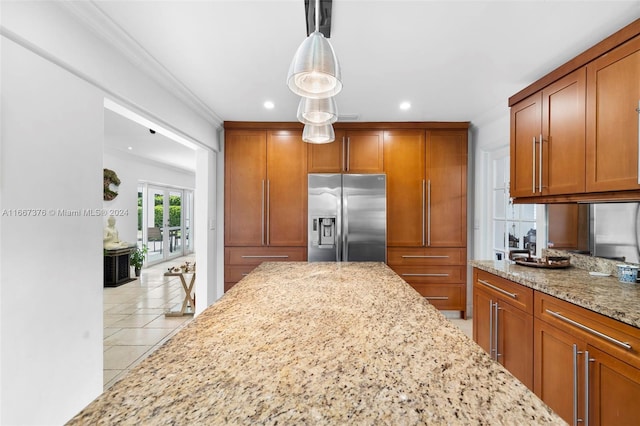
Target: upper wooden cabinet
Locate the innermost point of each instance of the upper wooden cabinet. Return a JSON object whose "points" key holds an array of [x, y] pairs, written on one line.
{"points": [[353, 151], [265, 188], [548, 140], [613, 93], [426, 188], [574, 132]]}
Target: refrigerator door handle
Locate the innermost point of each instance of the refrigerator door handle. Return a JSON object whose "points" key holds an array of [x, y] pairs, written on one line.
{"points": [[345, 225]]}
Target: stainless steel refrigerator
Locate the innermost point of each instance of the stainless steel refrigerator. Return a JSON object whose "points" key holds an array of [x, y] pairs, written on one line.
{"points": [[347, 217], [615, 231]]}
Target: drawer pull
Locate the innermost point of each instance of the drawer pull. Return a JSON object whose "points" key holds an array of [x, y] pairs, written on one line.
{"points": [[273, 256], [436, 297], [589, 329], [424, 257], [498, 289], [244, 274], [425, 275]]}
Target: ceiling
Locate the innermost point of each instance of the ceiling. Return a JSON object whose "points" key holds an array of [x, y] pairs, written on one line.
{"points": [[452, 60]]}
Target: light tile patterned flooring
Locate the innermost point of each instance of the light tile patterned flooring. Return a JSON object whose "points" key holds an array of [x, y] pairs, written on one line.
{"points": [[134, 320], [135, 324]]}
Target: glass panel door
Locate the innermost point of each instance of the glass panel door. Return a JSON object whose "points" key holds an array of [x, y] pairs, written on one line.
{"points": [[155, 220], [174, 224]]}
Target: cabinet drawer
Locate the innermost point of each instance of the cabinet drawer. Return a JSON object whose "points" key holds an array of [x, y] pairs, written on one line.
{"points": [[507, 291], [597, 330], [426, 256], [257, 255], [446, 297], [233, 273], [443, 274]]}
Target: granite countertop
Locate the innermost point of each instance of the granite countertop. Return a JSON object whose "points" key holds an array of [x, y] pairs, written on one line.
{"points": [[604, 295], [319, 343]]}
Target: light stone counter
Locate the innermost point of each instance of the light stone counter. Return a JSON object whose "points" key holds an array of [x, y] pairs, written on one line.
{"points": [[604, 295], [319, 343]]}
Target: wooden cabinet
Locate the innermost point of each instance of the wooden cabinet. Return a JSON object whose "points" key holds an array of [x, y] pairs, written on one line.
{"points": [[613, 94], [587, 366], [548, 139], [503, 323], [568, 226], [575, 131], [240, 261], [265, 191], [353, 151], [426, 212]]}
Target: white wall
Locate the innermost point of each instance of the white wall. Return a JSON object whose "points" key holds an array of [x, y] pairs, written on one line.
{"points": [[131, 170], [51, 304], [55, 76]]}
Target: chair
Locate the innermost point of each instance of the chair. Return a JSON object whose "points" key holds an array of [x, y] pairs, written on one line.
{"points": [[154, 235]]}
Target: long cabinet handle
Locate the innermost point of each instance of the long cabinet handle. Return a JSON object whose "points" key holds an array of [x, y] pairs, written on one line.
{"points": [[424, 209], [587, 360], [575, 384], [425, 275], [348, 151], [436, 297], [344, 165], [424, 257], [498, 289], [583, 327], [262, 215], [540, 177], [533, 166], [429, 213], [272, 256], [491, 329], [268, 208], [496, 322], [638, 111]]}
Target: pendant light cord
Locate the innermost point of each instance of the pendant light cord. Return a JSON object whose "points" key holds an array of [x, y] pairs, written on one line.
{"points": [[317, 15]]}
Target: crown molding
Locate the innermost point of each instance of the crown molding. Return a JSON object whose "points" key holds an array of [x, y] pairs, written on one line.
{"points": [[97, 21]]}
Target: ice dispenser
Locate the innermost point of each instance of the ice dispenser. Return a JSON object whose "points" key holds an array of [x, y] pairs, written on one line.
{"points": [[324, 232]]}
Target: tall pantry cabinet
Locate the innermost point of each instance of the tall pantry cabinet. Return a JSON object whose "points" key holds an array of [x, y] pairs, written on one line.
{"points": [[265, 199], [427, 212]]}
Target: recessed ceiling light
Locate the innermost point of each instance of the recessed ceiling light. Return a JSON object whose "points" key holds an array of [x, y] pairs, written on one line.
{"points": [[269, 105], [130, 148], [405, 105]]}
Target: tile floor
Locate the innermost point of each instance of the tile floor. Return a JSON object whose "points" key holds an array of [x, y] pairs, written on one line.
{"points": [[134, 320], [135, 324]]}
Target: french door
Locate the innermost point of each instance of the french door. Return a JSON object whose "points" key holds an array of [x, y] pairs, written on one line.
{"points": [[165, 222]]}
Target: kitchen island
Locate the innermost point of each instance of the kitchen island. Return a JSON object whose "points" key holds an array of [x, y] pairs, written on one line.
{"points": [[319, 343]]}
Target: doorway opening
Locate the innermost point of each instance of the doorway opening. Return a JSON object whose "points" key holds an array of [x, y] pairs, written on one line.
{"points": [[165, 218]]}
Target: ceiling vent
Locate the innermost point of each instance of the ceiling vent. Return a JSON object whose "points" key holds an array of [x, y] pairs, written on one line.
{"points": [[348, 117]]}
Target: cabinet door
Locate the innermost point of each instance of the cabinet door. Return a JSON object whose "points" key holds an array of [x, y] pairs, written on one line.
{"points": [[446, 218], [327, 157], [245, 181], [614, 390], [563, 124], [515, 342], [364, 152], [404, 164], [526, 127], [553, 369], [613, 95], [286, 202], [482, 323]]}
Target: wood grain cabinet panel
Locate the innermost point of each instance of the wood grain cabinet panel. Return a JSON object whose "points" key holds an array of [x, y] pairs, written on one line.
{"points": [[503, 322], [613, 99], [353, 151]]}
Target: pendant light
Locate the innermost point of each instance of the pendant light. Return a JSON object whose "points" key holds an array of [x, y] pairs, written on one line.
{"points": [[322, 133], [315, 71], [317, 111]]}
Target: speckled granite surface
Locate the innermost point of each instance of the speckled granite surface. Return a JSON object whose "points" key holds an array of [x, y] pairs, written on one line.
{"points": [[319, 343], [604, 295]]}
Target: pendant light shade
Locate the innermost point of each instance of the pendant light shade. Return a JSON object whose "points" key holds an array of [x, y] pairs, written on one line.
{"points": [[317, 111], [322, 133], [315, 71]]}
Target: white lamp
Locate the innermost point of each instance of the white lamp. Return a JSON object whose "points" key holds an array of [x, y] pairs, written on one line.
{"points": [[322, 133], [315, 71], [317, 111]]}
